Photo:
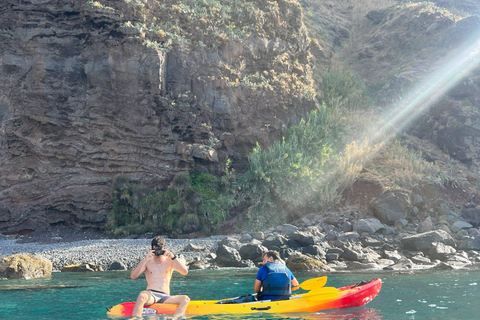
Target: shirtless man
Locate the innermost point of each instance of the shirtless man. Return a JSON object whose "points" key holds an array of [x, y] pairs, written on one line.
{"points": [[158, 272]]}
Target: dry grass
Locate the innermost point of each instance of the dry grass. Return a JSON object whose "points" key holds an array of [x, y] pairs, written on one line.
{"points": [[395, 166]]}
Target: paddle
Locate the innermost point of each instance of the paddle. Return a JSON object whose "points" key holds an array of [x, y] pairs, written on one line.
{"points": [[312, 284], [327, 293]]}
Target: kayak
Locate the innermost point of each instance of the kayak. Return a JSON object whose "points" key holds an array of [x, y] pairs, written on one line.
{"points": [[317, 299]]}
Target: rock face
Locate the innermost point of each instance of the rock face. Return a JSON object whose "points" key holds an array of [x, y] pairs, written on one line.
{"points": [[24, 266], [87, 93]]}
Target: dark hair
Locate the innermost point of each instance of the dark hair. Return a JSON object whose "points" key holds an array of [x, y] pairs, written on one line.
{"points": [[158, 241], [272, 254]]}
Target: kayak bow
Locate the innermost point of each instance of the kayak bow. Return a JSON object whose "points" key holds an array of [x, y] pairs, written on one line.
{"points": [[315, 300]]}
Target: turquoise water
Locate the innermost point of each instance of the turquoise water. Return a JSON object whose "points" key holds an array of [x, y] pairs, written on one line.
{"points": [[442, 295]]}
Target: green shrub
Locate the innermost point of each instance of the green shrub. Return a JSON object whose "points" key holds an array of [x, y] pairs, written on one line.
{"points": [[342, 89]]}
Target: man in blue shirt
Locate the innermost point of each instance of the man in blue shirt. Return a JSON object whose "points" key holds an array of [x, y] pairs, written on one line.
{"points": [[274, 280]]}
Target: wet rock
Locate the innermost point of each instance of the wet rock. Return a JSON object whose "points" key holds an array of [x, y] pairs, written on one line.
{"points": [[24, 266], [391, 206], [117, 266], [370, 226], [252, 252], [82, 267], [423, 242], [301, 262]]}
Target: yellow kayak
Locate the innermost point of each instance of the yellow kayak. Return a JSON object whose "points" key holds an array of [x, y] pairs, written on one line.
{"points": [[315, 300]]}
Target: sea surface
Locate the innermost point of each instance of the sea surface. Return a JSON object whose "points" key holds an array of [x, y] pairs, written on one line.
{"points": [[435, 295]]}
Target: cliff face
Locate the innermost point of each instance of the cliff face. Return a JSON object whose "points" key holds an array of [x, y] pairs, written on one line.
{"points": [[90, 90]]}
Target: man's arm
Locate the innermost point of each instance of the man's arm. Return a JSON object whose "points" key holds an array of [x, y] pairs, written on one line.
{"points": [[142, 266], [294, 282], [258, 286], [177, 264]]}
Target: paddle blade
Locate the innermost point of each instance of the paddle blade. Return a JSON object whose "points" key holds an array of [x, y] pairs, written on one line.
{"points": [[328, 293], [314, 283]]}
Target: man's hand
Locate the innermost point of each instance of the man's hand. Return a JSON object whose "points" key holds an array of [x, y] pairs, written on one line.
{"points": [[150, 255], [169, 254]]}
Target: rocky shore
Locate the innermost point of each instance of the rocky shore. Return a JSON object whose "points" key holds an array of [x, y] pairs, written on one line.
{"points": [[340, 242]]}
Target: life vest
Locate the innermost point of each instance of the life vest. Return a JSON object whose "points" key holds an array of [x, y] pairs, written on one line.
{"points": [[277, 282]]}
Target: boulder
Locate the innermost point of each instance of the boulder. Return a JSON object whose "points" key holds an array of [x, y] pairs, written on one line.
{"points": [[197, 265], [258, 236], [25, 266], [425, 226], [117, 266], [82, 267], [287, 229], [190, 247], [303, 238], [252, 252], [419, 259], [460, 225], [352, 254], [392, 255], [314, 250], [423, 241], [370, 226], [391, 206], [345, 236], [441, 251], [404, 264], [231, 242], [470, 243], [274, 241], [246, 238], [301, 262], [228, 257]]}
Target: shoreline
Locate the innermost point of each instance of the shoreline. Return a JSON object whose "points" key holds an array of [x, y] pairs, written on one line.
{"points": [[104, 252]]}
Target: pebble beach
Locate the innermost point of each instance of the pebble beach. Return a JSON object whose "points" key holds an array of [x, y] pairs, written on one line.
{"points": [[104, 252]]}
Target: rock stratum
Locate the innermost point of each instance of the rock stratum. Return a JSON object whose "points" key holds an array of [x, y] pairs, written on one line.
{"points": [[91, 90]]}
